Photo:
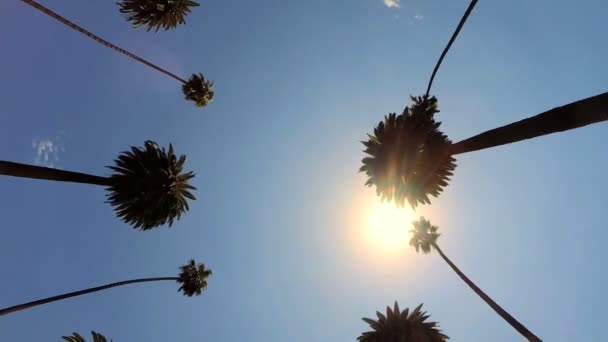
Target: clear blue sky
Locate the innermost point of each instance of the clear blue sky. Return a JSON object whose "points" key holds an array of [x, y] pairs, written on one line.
{"points": [[281, 205]]}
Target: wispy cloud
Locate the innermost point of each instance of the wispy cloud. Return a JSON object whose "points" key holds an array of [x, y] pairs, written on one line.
{"points": [[392, 3], [47, 151], [415, 19]]}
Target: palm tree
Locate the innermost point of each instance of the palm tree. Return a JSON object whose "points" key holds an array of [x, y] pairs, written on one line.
{"points": [[192, 280], [97, 337], [191, 89], [424, 238], [402, 326], [409, 158], [146, 189], [156, 14]]}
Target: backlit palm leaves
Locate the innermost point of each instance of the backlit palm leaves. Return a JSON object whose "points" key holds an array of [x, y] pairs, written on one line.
{"points": [[75, 337], [148, 187], [156, 14], [198, 90], [410, 159], [402, 326], [193, 278], [408, 156], [424, 235]]}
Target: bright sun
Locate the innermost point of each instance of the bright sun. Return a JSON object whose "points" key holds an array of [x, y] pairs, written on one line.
{"points": [[388, 225]]}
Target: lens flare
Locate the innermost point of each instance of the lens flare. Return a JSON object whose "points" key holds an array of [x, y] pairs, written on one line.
{"points": [[388, 226]]}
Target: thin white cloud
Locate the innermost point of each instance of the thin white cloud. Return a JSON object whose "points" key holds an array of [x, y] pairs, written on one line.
{"points": [[392, 3], [415, 19], [47, 151]]}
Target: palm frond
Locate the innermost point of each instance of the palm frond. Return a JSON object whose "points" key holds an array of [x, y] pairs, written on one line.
{"points": [[408, 156], [424, 235], [402, 326], [75, 337], [198, 90], [149, 187], [156, 14], [193, 278]]}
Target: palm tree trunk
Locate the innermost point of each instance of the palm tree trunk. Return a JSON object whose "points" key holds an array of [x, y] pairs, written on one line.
{"points": [[97, 38], [40, 172], [574, 115], [450, 42], [499, 310], [24, 306]]}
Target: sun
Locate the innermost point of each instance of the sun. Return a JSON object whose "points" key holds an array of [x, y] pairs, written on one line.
{"points": [[388, 226]]}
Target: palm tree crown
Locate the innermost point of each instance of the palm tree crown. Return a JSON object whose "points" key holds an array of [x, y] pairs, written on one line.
{"points": [[408, 156], [198, 90], [148, 188], [156, 14], [193, 278], [402, 326], [424, 235], [75, 337]]}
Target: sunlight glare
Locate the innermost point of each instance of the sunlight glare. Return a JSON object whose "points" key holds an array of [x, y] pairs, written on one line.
{"points": [[388, 226]]}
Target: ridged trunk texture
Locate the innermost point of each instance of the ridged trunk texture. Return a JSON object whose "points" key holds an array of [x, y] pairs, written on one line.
{"points": [[98, 39], [499, 310], [24, 306], [574, 115], [8, 168]]}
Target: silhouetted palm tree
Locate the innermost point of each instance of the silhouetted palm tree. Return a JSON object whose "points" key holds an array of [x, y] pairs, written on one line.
{"points": [[402, 326], [192, 278], [411, 159], [196, 89], [97, 337], [424, 237], [156, 14], [146, 189]]}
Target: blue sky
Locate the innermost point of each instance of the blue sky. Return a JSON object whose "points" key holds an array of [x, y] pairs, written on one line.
{"points": [[282, 216]]}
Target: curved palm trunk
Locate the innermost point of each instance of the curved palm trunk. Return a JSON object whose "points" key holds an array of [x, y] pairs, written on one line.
{"points": [[24, 306], [40, 172], [97, 38], [499, 310], [574, 115], [450, 42]]}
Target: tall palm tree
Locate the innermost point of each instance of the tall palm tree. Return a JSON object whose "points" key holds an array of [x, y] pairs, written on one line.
{"points": [[196, 89], [156, 14], [402, 326], [146, 189], [424, 238], [192, 280], [97, 337], [409, 158]]}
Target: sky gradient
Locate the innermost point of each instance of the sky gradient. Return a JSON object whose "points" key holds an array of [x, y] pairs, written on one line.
{"points": [[282, 213]]}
